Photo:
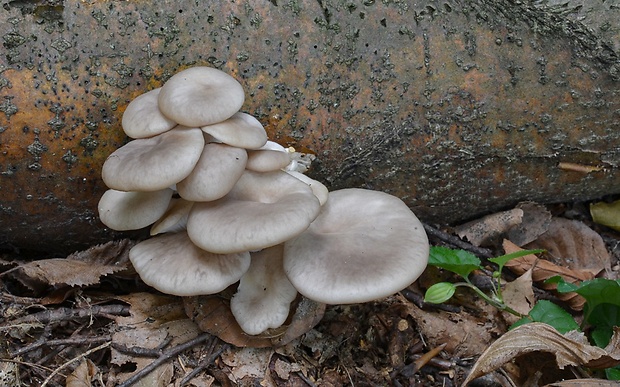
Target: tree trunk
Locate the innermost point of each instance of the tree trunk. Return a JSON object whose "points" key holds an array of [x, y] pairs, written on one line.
{"points": [[457, 107]]}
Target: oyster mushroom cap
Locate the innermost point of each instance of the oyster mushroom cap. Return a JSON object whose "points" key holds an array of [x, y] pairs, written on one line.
{"points": [[200, 96], [172, 264], [364, 245], [262, 210]]}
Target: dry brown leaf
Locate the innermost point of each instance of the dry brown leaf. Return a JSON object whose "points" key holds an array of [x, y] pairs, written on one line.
{"points": [[536, 220], [213, 315], [569, 349], [83, 374], [154, 322], [543, 270], [247, 362], [484, 230], [463, 334], [574, 245], [584, 383], [519, 294], [79, 269]]}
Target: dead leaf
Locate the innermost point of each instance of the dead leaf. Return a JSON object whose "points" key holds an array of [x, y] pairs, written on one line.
{"points": [[536, 220], [463, 334], [155, 321], [247, 362], [519, 294], [79, 269], [585, 383], [543, 270], [83, 374], [607, 214], [213, 315], [484, 230], [571, 349], [574, 245]]}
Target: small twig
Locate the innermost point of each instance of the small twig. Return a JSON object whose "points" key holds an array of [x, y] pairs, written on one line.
{"points": [[65, 314], [204, 364], [11, 299], [458, 242], [141, 351], [57, 342], [81, 356], [167, 355]]}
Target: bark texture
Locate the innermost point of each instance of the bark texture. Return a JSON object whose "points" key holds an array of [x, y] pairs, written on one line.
{"points": [[457, 107]]}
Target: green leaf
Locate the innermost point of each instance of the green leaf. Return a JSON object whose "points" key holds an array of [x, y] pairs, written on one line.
{"points": [[439, 292], [501, 260], [613, 373], [607, 214], [549, 313], [460, 262], [597, 292]]}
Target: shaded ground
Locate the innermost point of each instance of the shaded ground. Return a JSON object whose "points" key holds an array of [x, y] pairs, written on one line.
{"points": [[99, 325]]}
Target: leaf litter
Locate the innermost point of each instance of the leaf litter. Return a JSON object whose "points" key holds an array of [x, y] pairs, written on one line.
{"points": [[63, 308]]}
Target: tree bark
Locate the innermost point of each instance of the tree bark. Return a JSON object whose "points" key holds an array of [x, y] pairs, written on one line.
{"points": [[457, 107]]}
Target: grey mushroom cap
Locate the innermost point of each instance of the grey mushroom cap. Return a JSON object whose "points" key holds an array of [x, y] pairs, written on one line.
{"points": [[200, 96], [264, 294], [122, 211], [142, 117], [175, 217], [215, 174], [265, 160], [241, 130], [262, 210], [363, 246], [154, 163], [172, 264]]}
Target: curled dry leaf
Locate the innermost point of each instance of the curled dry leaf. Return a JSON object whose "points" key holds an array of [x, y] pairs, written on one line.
{"points": [[79, 269], [571, 349], [542, 270], [83, 374], [213, 315], [484, 230]]}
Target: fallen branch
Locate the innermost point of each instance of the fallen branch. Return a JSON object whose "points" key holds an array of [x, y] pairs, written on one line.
{"points": [[65, 314]]}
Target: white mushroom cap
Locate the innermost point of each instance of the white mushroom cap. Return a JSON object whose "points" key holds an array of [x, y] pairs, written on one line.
{"points": [[175, 217], [262, 210], [364, 245], [215, 174], [142, 117], [318, 188], [241, 130], [200, 96], [172, 264], [151, 164], [264, 294], [267, 160], [132, 210]]}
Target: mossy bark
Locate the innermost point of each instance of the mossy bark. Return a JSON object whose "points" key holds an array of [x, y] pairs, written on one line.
{"points": [[459, 108]]}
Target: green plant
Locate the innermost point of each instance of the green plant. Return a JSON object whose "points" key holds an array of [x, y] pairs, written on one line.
{"points": [[463, 263], [601, 310]]}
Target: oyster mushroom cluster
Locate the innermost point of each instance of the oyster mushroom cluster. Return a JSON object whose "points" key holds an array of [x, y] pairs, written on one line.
{"points": [[225, 205]]}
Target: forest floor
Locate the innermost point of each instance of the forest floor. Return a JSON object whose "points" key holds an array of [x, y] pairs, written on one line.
{"points": [[88, 320]]}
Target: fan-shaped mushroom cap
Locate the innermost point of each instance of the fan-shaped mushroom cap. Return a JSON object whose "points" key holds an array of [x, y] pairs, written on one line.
{"points": [[142, 117], [364, 245], [318, 188], [264, 294], [262, 210], [241, 130], [215, 174], [200, 96], [264, 160], [132, 210], [175, 217], [172, 264], [151, 164]]}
